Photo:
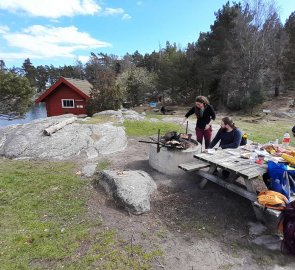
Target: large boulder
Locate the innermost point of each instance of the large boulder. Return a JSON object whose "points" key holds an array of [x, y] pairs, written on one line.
{"points": [[132, 115], [132, 189], [75, 139], [122, 114], [110, 112]]}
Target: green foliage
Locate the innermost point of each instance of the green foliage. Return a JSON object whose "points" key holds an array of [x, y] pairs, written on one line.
{"points": [[15, 93], [29, 72], [135, 82], [45, 224], [254, 99], [2, 65], [289, 53], [146, 128], [241, 57], [104, 98], [105, 95], [245, 56], [215, 50], [173, 73]]}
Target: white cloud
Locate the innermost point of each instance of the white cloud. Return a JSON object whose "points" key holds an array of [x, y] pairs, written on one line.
{"points": [[126, 17], [54, 9], [113, 11], [84, 59], [4, 29], [116, 11], [51, 8], [39, 41]]}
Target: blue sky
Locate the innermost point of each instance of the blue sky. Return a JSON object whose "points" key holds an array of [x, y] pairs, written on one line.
{"points": [[59, 32]]}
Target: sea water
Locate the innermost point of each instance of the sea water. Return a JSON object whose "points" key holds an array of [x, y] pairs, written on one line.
{"points": [[37, 112]]}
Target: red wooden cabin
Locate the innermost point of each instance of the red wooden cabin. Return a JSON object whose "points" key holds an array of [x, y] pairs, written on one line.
{"points": [[66, 96]]}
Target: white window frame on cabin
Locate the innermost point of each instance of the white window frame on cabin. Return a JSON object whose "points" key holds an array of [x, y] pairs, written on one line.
{"points": [[62, 103]]}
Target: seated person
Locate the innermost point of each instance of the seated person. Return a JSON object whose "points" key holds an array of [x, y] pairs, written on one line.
{"points": [[163, 110], [229, 136]]}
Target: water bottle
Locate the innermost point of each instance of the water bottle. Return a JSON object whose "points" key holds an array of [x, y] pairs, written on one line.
{"points": [[286, 139], [253, 157]]}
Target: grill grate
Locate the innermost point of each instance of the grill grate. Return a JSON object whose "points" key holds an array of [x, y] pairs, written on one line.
{"points": [[173, 141]]}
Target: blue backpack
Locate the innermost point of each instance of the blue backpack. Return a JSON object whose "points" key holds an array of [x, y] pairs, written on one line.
{"points": [[282, 178]]}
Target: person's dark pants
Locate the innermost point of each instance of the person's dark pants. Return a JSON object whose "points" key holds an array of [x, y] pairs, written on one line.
{"points": [[204, 133], [225, 174], [267, 180]]}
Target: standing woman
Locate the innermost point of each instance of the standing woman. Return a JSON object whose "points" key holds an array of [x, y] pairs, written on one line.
{"points": [[205, 115]]}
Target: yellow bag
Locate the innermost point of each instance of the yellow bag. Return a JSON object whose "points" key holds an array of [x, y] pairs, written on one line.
{"points": [[289, 158], [272, 199]]}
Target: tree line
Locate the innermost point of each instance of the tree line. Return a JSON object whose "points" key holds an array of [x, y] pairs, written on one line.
{"points": [[247, 55]]}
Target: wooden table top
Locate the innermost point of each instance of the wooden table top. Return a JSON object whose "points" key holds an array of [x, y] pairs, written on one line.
{"points": [[230, 159]]}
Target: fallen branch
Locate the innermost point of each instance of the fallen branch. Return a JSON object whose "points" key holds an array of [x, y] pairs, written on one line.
{"points": [[50, 130]]}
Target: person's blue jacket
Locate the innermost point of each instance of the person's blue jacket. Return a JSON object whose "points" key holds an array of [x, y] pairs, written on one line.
{"points": [[230, 139]]}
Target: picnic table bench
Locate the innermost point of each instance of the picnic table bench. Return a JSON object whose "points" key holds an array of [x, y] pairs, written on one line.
{"points": [[231, 160]]}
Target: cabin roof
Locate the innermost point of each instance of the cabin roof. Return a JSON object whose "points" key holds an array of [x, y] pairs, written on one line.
{"points": [[82, 87]]}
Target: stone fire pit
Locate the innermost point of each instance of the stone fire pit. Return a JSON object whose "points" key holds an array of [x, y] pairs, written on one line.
{"points": [[167, 160]]}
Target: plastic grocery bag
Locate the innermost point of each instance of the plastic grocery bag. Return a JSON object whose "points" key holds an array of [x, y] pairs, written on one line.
{"points": [[282, 178]]}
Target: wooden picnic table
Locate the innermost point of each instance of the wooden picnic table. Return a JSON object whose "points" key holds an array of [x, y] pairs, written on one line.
{"points": [[248, 171], [231, 160]]}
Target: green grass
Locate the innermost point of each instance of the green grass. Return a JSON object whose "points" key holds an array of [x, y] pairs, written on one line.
{"points": [[146, 128], [261, 132], [100, 119], [226, 266], [265, 131], [103, 165], [155, 115], [44, 222]]}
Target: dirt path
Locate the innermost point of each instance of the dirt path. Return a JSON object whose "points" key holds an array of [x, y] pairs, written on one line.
{"points": [[195, 229]]}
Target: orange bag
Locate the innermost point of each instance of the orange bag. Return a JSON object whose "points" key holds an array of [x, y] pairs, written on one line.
{"points": [[272, 199]]}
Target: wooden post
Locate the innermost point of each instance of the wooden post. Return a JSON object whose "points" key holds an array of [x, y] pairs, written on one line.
{"points": [[204, 180], [250, 187]]}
